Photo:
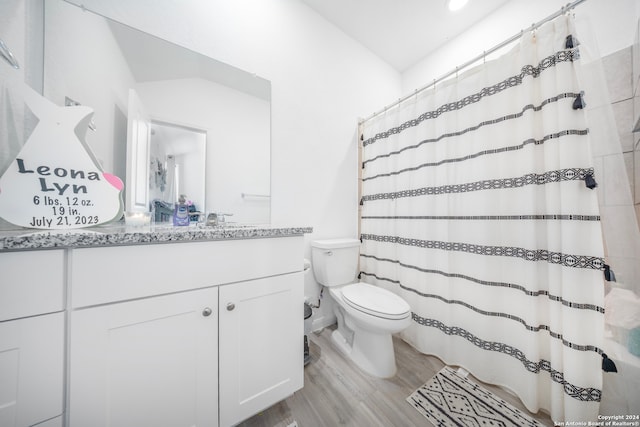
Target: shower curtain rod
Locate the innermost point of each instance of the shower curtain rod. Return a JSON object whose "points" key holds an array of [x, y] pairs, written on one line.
{"points": [[563, 10]]}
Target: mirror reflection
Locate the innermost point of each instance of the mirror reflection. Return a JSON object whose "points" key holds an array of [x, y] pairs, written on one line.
{"points": [[167, 120], [177, 166]]}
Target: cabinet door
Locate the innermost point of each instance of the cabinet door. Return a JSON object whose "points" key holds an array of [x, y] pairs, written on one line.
{"points": [[261, 344], [146, 363], [31, 369]]}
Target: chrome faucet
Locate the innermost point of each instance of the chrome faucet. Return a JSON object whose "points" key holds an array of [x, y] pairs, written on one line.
{"points": [[217, 218]]}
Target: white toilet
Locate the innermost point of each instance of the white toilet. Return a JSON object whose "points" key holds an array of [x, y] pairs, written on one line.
{"points": [[367, 315]]}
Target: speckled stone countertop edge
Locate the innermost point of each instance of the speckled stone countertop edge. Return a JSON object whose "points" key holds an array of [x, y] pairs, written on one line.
{"points": [[120, 235]]}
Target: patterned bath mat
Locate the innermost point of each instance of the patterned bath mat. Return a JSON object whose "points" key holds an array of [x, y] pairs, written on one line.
{"points": [[451, 400]]}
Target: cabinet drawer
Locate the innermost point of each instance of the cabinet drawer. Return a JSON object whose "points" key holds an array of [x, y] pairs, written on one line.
{"points": [[32, 283], [103, 275]]}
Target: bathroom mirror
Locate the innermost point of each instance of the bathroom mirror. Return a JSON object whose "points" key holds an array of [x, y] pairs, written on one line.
{"points": [[149, 97]]}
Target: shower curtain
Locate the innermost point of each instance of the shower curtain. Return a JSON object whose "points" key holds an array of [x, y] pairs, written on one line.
{"points": [[478, 207]]}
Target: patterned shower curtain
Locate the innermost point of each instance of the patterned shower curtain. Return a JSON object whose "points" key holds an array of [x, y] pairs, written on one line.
{"points": [[478, 208]]}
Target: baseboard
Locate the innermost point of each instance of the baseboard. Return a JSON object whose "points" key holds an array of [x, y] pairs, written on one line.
{"points": [[322, 322]]}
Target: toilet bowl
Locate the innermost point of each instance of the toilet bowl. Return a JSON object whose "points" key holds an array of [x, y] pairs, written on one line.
{"points": [[367, 315]]}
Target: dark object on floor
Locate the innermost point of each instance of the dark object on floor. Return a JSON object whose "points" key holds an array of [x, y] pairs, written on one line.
{"points": [[307, 313]]}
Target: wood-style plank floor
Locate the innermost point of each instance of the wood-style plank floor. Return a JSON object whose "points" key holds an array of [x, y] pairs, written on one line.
{"points": [[337, 393]]}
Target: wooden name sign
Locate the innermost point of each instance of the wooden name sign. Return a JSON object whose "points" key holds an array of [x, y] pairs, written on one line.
{"points": [[55, 181]]}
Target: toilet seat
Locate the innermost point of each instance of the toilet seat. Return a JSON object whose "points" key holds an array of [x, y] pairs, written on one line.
{"points": [[375, 301]]}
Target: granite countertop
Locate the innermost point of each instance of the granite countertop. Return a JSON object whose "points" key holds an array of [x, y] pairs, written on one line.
{"points": [[119, 234]]}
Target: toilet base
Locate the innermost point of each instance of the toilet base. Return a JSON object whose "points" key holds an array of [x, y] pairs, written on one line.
{"points": [[373, 353], [341, 343]]}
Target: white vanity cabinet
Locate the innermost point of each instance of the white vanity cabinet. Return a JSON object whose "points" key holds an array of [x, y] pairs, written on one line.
{"points": [[152, 326], [31, 338], [261, 343]]}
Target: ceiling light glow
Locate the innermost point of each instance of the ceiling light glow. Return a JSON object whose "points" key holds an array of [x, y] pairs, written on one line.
{"points": [[456, 4]]}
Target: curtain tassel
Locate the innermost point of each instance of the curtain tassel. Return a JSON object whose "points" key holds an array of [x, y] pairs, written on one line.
{"points": [[607, 364], [608, 274], [571, 42], [579, 102], [590, 181]]}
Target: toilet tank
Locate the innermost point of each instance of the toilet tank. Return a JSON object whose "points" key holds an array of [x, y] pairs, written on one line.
{"points": [[335, 261]]}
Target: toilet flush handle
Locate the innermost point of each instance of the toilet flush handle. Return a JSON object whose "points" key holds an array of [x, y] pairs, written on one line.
{"points": [[328, 253]]}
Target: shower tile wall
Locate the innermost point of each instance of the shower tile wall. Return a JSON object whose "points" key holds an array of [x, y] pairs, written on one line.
{"points": [[621, 70], [635, 124]]}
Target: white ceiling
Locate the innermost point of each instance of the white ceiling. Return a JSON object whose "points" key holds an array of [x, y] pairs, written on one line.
{"points": [[402, 32], [151, 59]]}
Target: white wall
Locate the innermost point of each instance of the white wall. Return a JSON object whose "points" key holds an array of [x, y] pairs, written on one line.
{"points": [[613, 22]]}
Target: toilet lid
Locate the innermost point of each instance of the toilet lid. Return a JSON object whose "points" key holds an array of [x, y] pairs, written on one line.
{"points": [[375, 300]]}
